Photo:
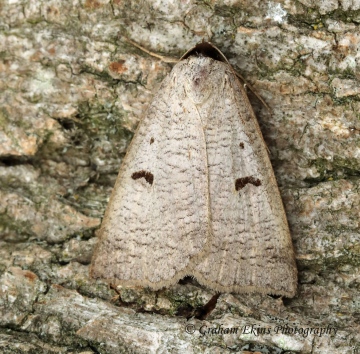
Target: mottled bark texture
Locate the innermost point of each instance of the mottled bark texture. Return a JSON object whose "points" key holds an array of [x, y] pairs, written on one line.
{"points": [[72, 91]]}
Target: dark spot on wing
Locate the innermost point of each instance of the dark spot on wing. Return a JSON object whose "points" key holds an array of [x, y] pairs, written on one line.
{"points": [[149, 177], [242, 182], [242, 145], [151, 140]]}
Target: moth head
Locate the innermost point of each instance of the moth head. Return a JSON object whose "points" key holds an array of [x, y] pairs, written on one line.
{"points": [[200, 80], [202, 76]]}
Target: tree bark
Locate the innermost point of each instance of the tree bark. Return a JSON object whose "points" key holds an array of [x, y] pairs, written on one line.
{"points": [[73, 90]]}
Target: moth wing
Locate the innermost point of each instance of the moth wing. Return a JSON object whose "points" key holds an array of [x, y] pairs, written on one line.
{"points": [[157, 218], [250, 247]]}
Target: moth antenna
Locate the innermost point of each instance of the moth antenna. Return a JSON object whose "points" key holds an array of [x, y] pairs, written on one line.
{"points": [[252, 90], [158, 56]]}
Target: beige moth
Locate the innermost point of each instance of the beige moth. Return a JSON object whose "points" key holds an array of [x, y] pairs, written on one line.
{"points": [[196, 194]]}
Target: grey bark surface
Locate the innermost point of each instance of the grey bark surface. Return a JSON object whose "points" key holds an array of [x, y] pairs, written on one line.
{"points": [[72, 91]]}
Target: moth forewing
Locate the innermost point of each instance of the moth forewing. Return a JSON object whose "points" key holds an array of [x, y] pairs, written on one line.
{"points": [[196, 193]]}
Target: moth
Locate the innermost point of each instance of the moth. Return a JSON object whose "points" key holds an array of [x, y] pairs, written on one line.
{"points": [[196, 194]]}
